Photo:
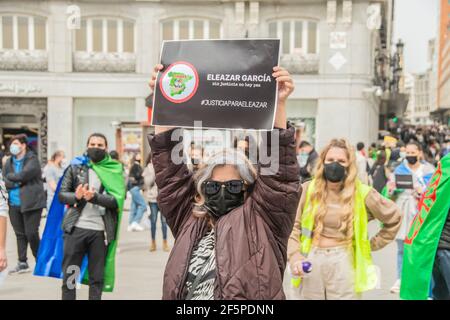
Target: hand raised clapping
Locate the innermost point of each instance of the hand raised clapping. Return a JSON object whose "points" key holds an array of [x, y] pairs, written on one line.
{"points": [[85, 192]]}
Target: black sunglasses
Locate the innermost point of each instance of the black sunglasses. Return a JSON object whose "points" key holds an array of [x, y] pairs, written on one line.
{"points": [[211, 187]]}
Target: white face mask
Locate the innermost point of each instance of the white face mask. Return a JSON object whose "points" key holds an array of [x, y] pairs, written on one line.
{"points": [[15, 149], [303, 159], [63, 163]]}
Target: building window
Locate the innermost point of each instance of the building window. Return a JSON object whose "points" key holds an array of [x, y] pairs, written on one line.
{"points": [[297, 36], [19, 32], [189, 29], [105, 35]]}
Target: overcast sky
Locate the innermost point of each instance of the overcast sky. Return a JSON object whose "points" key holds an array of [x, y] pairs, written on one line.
{"points": [[415, 22]]}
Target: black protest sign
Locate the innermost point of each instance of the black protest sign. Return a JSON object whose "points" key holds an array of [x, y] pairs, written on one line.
{"points": [[225, 84]]}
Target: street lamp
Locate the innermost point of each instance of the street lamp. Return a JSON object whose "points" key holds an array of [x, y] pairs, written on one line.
{"points": [[397, 68], [381, 60], [389, 81], [388, 76]]}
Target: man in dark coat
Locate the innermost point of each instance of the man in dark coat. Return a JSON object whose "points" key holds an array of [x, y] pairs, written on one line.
{"points": [[23, 180]]}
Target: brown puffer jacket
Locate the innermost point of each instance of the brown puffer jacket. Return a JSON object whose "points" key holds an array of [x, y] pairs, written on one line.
{"points": [[251, 241]]}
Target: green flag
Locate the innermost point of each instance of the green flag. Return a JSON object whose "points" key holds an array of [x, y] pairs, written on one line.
{"points": [[110, 173], [423, 236]]}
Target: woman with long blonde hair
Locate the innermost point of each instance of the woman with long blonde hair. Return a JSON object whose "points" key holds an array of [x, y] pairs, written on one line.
{"points": [[330, 229]]}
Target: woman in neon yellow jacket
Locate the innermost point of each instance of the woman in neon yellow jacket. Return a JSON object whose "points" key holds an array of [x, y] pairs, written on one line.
{"points": [[330, 229]]}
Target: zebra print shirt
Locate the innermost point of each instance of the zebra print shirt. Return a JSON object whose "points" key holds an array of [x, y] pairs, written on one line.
{"points": [[203, 265]]}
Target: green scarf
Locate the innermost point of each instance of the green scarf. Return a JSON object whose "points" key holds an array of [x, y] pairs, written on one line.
{"points": [[424, 234], [110, 173]]}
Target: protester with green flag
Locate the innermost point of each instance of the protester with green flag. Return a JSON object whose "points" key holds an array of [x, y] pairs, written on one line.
{"points": [[94, 191], [427, 244]]}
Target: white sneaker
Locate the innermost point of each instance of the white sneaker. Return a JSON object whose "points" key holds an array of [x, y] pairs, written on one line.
{"points": [[130, 227], [137, 227], [396, 287]]}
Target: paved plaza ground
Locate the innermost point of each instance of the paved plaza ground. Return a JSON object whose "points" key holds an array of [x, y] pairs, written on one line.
{"points": [[140, 272]]}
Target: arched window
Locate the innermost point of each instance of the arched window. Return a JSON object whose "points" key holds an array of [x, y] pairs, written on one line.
{"points": [[297, 35], [105, 35], [23, 32], [190, 28]]}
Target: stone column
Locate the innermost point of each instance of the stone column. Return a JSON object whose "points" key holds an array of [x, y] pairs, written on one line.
{"points": [[60, 125], [60, 45], [141, 110]]}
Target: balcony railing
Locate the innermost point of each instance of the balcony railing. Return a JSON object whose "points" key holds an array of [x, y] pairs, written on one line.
{"points": [[104, 62], [28, 60], [298, 63]]}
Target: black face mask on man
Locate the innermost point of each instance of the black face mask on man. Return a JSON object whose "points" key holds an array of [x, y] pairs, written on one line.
{"points": [[222, 197], [96, 154], [334, 172], [412, 159]]}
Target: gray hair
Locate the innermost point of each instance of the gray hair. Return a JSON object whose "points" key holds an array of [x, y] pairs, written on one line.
{"points": [[232, 157]]}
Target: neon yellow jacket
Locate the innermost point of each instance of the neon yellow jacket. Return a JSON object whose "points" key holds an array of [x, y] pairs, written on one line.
{"points": [[365, 272]]}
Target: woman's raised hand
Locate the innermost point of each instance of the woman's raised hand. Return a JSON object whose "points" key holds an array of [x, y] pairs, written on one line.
{"points": [[151, 84], [285, 88], [285, 83], [156, 69]]}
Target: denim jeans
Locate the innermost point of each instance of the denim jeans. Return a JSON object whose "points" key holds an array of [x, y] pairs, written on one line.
{"points": [[441, 275], [138, 205], [153, 217], [400, 246]]}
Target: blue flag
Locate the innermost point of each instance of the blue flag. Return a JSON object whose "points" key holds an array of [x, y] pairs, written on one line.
{"points": [[51, 249]]}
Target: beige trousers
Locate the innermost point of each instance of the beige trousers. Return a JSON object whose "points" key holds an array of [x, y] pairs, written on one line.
{"points": [[332, 276]]}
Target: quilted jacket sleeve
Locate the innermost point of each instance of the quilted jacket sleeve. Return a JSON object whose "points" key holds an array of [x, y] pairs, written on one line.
{"points": [[277, 189], [176, 189]]}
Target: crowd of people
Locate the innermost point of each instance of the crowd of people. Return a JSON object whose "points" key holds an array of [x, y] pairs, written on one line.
{"points": [[413, 152], [28, 192], [237, 226]]}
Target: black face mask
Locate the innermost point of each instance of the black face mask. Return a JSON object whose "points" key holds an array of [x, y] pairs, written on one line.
{"points": [[222, 202], [96, 154], [334, 172], [412, 159]]}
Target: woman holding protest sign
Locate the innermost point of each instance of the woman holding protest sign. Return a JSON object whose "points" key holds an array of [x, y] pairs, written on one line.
{"points": [[330, 229], [232, 221]]}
